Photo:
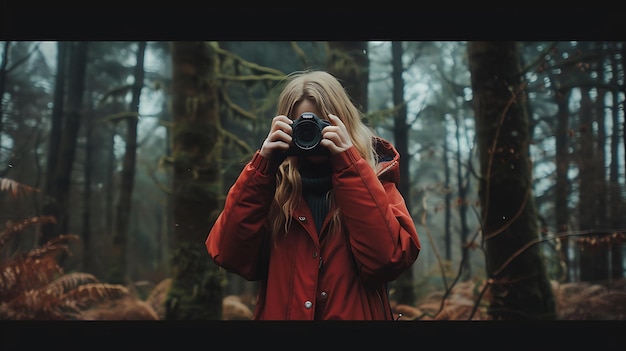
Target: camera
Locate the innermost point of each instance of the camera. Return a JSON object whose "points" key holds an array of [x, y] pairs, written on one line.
{"points": [[307, 134]]}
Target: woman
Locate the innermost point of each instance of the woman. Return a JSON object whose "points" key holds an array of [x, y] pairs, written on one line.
{"points": [[323, 232]]}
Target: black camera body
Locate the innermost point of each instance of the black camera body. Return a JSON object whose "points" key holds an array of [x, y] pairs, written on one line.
{"points": [[307, 134]]}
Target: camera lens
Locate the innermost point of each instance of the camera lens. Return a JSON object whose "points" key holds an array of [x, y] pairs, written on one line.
{"points": [[307, 135]]}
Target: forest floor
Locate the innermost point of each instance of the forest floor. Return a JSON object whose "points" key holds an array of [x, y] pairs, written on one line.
{"points": [[575, 301]]}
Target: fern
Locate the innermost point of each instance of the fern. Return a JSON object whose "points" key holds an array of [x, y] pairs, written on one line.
{"points": [[96, 292], [22, 273], [13, 228], [15, 189], [70, 281], [33, 285]]}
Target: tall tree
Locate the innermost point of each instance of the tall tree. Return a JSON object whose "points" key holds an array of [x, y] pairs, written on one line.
{"points": [[405, 292], [165, 225], [56, 202], [622, 87], [463, 178], [519, 286], [600, 183], [196, 289], [616, 202], [86, 231], [127, 179], [457, 111], [563, 185], [588, 198], [57, 112]]}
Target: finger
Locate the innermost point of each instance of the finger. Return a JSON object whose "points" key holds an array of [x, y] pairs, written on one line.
{"points": [[281, 135], [334, 137], [283, 119], [337, 121], [276, 141], [278, 145], [282, 126], [341, 128]]}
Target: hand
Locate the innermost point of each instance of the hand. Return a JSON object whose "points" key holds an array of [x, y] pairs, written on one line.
{"points": [[279, 137], [335, 136]]}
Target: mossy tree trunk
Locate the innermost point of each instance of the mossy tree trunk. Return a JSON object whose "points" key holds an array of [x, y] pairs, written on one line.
{"points": [[519, 285], [197, 283]]}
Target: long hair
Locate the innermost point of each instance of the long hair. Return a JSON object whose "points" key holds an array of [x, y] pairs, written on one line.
{"points": [[329, 96]]}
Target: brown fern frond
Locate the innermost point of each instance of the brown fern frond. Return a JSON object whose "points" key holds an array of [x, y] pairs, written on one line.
{"points": [[34, 287], [16, 189], [24, 273], [35, 305], [69, 281], [63, 299], [95, 292], [12, 228], [55, 243], [54, 246], [34, 269]]}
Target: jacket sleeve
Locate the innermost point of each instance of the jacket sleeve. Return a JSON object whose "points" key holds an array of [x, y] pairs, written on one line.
{"points": [[380, 229], [237, 240]]}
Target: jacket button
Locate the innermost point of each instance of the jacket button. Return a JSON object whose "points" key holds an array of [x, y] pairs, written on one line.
{"points": [[324, 294], [315, 255], [308, 305]]}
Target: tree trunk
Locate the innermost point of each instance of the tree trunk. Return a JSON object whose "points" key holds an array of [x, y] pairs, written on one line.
{"points": [[588, 200], [601, 210], [563, 186], [57, 199], [447, 219], [518, 282], [623, 90], [405, 291], [57, 112], [196, 290], [119, 272], [463, 183], [87, 262], [616, 202], [164, 242]]}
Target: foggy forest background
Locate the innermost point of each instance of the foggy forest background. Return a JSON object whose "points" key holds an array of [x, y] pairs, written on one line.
{"points": [[115, 157]]}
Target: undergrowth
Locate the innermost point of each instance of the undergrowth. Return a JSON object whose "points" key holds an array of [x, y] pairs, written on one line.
{"points": [[33, 286]]}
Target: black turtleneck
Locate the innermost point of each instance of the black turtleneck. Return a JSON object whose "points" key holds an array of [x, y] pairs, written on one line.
{"points": [[316, 182]]}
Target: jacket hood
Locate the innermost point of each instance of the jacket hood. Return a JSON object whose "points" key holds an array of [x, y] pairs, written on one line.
{"points": [[388, 157]]}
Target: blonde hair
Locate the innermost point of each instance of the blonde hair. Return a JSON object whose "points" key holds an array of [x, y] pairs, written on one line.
{"points": [[329, 96]]}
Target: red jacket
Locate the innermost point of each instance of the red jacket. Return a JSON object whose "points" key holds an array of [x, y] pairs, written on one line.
{"points": [[338, 276]]}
